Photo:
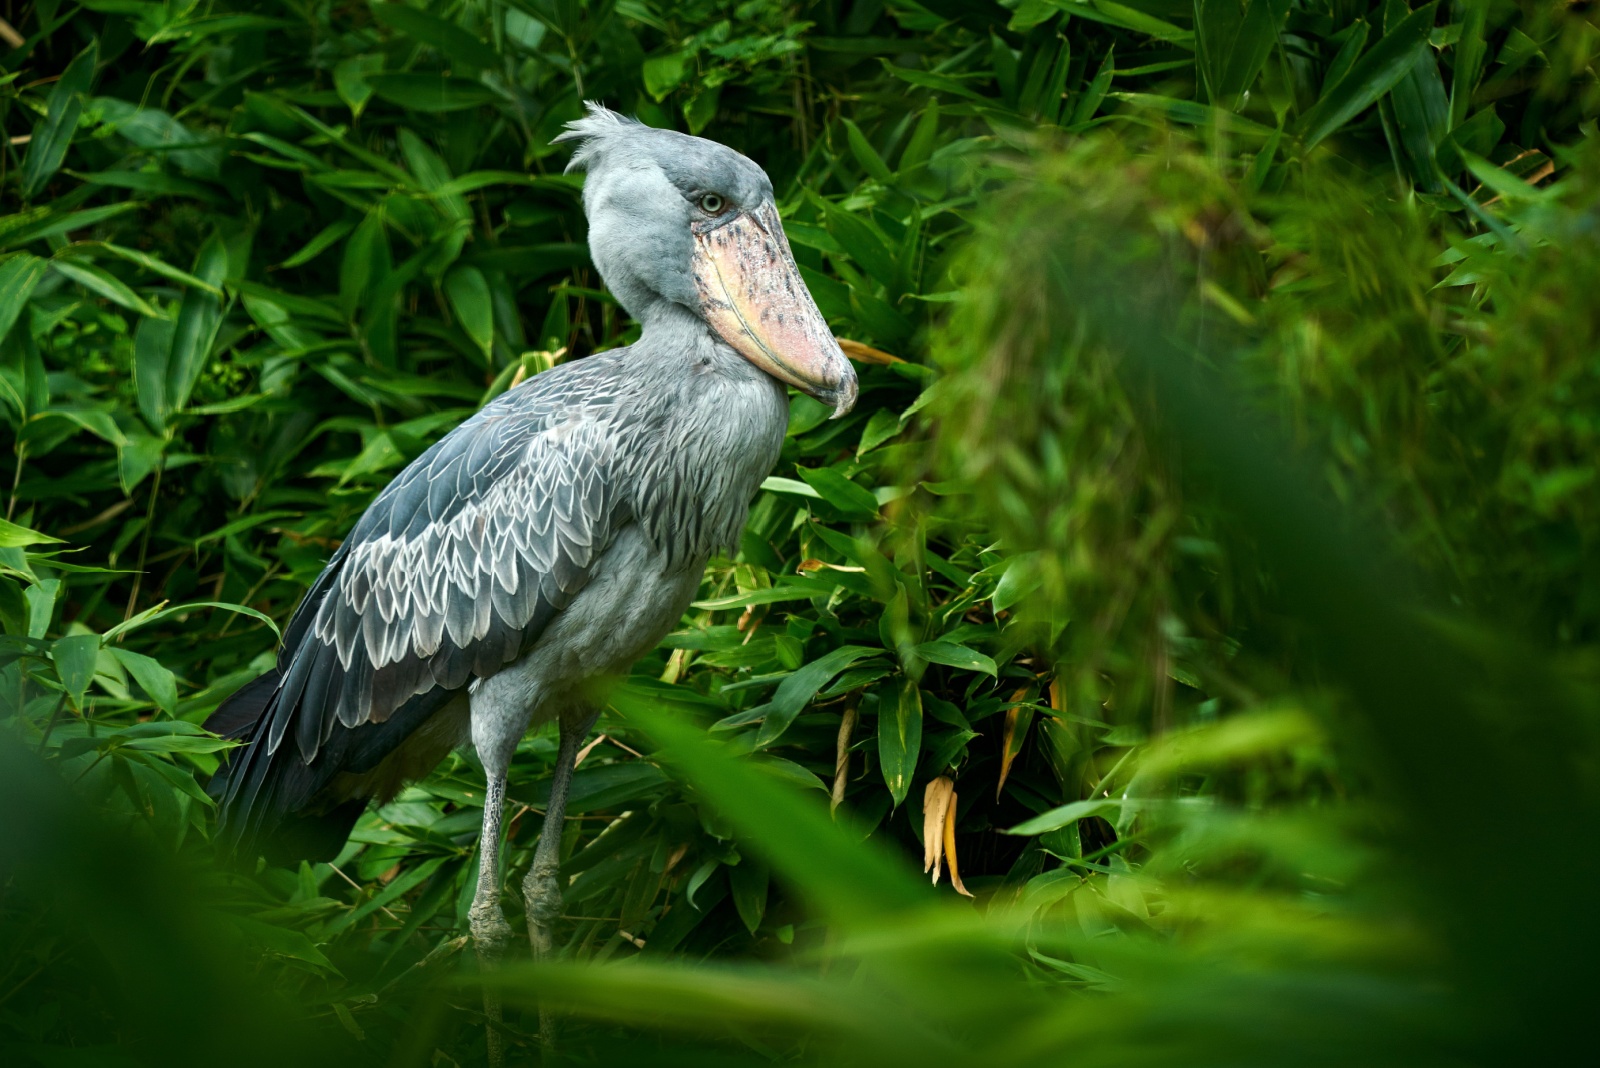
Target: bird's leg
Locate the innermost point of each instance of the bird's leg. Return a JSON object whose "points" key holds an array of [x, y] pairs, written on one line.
{"points": [[541, 890], [490, 932]]}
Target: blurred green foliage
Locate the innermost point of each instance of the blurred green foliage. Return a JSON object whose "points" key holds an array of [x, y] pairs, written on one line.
{"points": [[1219, 515]]}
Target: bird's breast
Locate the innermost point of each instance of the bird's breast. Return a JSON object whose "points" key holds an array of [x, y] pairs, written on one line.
{"points": [[721, 438]]}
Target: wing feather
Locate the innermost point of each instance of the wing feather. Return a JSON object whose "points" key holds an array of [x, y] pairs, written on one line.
{"points": [[460, 563]]}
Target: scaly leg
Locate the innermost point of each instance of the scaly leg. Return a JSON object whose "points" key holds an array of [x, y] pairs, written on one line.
{"points": [[541, 890], [490, 932]]}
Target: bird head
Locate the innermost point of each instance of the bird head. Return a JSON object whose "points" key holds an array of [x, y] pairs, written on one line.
{"points": [[679, 221]]}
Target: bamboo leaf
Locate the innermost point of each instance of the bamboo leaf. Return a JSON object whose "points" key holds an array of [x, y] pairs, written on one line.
{"points": [[431, 93], [15, 536], [474, 307], [74, 657], [1233, 39], [104, 284], [430, 30], [19, 274], [899, 737], [1373, 75], [52, 134], [157, 680], [199, 316]]}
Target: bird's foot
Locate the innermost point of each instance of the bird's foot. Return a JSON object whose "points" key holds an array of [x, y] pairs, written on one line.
{"points": [[490, 937], [541, 895], [491, 934]]}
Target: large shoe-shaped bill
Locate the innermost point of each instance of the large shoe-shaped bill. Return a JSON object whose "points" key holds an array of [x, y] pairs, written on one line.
{"points": [[753, 296]]}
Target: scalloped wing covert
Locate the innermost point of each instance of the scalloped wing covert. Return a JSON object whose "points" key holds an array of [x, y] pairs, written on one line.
{"points": [[462, 560]]}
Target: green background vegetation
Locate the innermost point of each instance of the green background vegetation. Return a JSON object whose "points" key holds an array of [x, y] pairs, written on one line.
{"points": [[1220, 515]]}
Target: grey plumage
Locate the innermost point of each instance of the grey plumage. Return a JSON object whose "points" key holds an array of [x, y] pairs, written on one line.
{"points": [[556, 535], [464, 559]]}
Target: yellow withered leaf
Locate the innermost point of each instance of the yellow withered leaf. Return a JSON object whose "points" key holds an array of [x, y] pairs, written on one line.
{"points": [[841, 758], [1010, 744], [866, 353], [950, 846], [935, 809]]}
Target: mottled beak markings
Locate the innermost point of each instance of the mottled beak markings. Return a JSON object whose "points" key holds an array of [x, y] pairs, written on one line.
{"points": [[752, 294]]}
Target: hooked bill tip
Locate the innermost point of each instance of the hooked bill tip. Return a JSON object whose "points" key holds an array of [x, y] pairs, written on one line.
{"points": [[844, 397]]}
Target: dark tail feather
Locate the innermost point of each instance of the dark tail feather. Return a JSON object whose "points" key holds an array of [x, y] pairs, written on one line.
{"points": [[236, 716], [312, 836], [272, 802]]}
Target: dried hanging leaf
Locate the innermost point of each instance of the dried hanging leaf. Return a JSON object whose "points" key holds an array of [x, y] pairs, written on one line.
{"points": [[841, 759], [866, 353], [586, 750], [935, 809], [1010, 744], [950, 846]]}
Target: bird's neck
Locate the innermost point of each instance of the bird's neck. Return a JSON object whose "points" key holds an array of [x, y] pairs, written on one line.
{"points": [[666, 322]]}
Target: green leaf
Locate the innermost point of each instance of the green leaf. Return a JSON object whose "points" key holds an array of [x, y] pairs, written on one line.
{"points": [[748, 880], [1373, 75], [1233, 39], [920, 147], [953, 655], [939, 83], [199, 316], [350, 81], [152, 356], [19, 274], [883, 425], [431, 93], [866, 155], [774, 484], [161, 611], [795, 692], [771, 595], [474, 307], [13, 536], [1190, 113], [899, 737], [52, 135], [1478, 136], [1095, 95], [41, 598], [104, 284], [157, 681], [366, 262], [663, 74], [326, 237], [75, 657], [13, 609], [433, 174], [157, 131], [448, 37], [1021, 577], [155, 183], [840, 492], [1129, 18], [154, 264], [851, 881], [43, 223], [866, 248], [1420, 113], [1066, 814], [1468, 54], [1502, 181]]}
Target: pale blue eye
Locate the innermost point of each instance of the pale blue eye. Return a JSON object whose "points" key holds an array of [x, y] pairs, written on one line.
{"points": [[712, 204]]}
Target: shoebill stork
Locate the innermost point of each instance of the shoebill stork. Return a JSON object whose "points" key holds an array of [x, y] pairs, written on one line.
{"points": [[554, 537]]}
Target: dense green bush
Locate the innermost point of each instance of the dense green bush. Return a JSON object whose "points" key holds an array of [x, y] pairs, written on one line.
{"points": [[1218, 519]]}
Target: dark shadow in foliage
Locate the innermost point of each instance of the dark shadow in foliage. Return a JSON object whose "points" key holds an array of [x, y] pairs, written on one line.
{"points": [[156, 967]]}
